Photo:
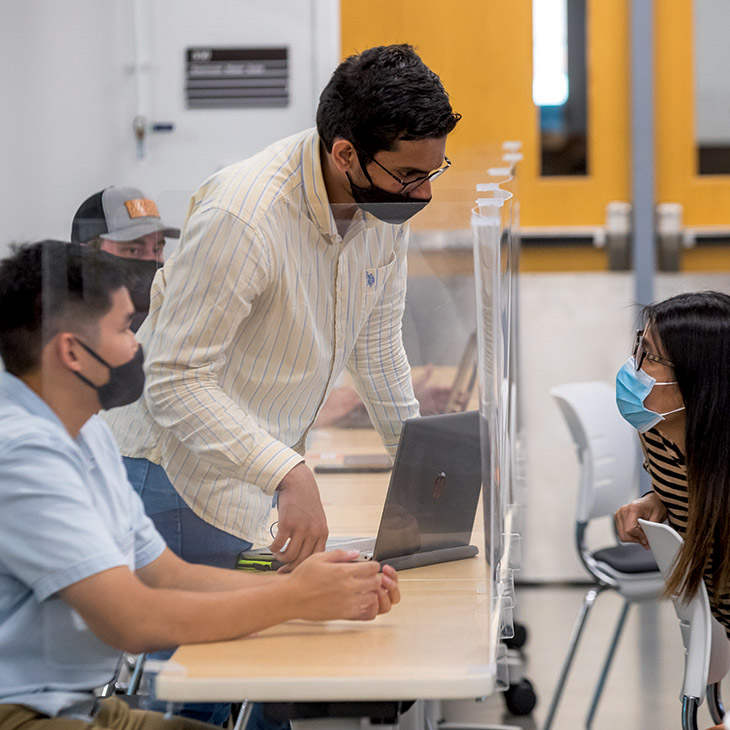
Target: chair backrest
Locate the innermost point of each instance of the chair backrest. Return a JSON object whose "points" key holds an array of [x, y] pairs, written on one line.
{"points": [[607, 447], [707, 649]]}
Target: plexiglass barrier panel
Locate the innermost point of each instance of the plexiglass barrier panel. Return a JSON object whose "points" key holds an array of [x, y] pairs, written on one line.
{"points": [[399, 344], [399, 341], [406, 347], [495, 222]]}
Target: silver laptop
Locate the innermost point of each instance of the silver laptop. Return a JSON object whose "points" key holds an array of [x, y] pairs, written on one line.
{"points": [[432, 497]]}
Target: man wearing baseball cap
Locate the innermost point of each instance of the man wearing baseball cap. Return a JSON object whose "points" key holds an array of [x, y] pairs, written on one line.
{"points": [[126, 224]]}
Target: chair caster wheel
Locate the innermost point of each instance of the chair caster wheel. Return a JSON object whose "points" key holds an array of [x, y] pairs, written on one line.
{"points": [[520, 698], [519, 639]]}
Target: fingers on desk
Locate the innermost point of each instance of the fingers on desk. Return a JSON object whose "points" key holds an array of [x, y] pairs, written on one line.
{"points": [[390, 584], [369, 607], [359, 588], [389, 593], [384, 602]]}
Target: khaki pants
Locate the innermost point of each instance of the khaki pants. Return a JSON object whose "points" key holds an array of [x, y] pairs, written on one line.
{"points": [[113, 714]]}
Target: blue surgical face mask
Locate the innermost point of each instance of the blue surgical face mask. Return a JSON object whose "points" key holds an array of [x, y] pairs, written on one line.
{"points": [[632, 388]]}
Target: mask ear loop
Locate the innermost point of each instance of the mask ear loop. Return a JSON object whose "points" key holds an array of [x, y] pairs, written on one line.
{"points": [[93, 354], [364, 168], [676, 410], [100, 359]]}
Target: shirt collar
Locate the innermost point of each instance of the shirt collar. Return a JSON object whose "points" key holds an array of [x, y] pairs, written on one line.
{"points": [[315, 192], [17, 392]]}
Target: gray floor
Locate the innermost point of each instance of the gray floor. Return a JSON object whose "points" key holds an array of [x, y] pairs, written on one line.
{"points": [[642, 690]]}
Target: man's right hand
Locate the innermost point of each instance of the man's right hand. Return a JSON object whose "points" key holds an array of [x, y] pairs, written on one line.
{"points": [[301, 517], [331, 586], [649, 507]]}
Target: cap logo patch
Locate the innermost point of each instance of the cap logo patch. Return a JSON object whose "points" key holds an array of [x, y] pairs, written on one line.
{"points": [[141, 208]]}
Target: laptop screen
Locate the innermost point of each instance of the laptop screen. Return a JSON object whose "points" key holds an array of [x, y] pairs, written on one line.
{"points": [[434, 488]]}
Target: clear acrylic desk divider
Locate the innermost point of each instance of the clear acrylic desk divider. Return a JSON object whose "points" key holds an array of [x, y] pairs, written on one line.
{"points": [[496, 258]]}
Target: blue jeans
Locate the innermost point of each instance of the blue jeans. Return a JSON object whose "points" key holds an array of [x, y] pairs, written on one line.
{"points": [[195, 541], [188, 536]]}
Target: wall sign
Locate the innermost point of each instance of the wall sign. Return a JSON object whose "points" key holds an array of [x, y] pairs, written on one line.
{"points": [[231, 78]]}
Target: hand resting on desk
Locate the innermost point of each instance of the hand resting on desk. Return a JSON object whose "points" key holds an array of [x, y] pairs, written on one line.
{"points": [[331, 586], [169, 602]]}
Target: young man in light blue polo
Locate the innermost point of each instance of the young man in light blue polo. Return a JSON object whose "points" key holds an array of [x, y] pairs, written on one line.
{"points": [[84, 574]]}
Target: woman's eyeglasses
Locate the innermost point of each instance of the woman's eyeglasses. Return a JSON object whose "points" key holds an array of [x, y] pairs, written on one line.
{"points": [[640, 354]]}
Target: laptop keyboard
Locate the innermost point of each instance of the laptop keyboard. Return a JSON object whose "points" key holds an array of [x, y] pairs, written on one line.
{"points": [[361, 544]]}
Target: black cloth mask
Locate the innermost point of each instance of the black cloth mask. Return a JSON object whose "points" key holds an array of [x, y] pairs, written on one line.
{"points": [[126, 382], [384, 205], [138, 276]]}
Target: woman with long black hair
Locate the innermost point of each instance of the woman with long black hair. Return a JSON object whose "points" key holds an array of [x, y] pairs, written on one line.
{"points": [[675, 390]]}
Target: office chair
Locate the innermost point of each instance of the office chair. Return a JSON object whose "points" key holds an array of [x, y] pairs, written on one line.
{"points": [[126, 680], [706, 647], [609, 463]]}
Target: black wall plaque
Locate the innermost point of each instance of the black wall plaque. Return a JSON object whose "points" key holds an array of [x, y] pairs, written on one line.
{"points": [[228, 78]]}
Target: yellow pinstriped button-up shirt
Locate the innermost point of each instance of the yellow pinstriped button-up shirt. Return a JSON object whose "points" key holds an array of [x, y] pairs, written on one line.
{"points": [[251, 322]]}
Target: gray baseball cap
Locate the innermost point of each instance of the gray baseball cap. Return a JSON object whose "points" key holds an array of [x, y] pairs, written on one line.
{"points": [[118, 214]]}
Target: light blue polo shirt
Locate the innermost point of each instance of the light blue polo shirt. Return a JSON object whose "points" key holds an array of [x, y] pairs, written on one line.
{"points": [[67, 512]]}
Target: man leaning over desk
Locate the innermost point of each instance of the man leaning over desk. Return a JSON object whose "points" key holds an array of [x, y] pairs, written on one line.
{"points": [[291, 268], [84, 574]]}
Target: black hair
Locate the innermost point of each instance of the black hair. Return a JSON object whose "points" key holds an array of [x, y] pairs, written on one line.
{"points": [[693, 330], [383, 95], [46, 288]]}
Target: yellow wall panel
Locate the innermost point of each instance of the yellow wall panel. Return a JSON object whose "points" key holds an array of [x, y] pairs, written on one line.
{"points": [[469, 44], [482, 50], [706, 198]]}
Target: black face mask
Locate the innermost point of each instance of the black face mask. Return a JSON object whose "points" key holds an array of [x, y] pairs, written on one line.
{"points": [[138, 276], [126, 382], [384, 205]]}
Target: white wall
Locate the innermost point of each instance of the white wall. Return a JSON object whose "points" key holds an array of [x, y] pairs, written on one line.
{"points": [[67, 94]]}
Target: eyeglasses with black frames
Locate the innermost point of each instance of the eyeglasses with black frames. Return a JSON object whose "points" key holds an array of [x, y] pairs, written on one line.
{"points": [[409, 185], [640, 354]]}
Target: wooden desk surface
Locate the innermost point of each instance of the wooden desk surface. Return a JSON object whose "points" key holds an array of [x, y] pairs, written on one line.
{"points": [[435, 644]]}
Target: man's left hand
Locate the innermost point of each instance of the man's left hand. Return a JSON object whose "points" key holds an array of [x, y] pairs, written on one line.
{"points": [[302, 521]]}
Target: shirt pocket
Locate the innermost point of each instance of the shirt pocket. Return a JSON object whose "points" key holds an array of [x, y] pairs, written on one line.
{"points": [[373, 284], [375, 279]]}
